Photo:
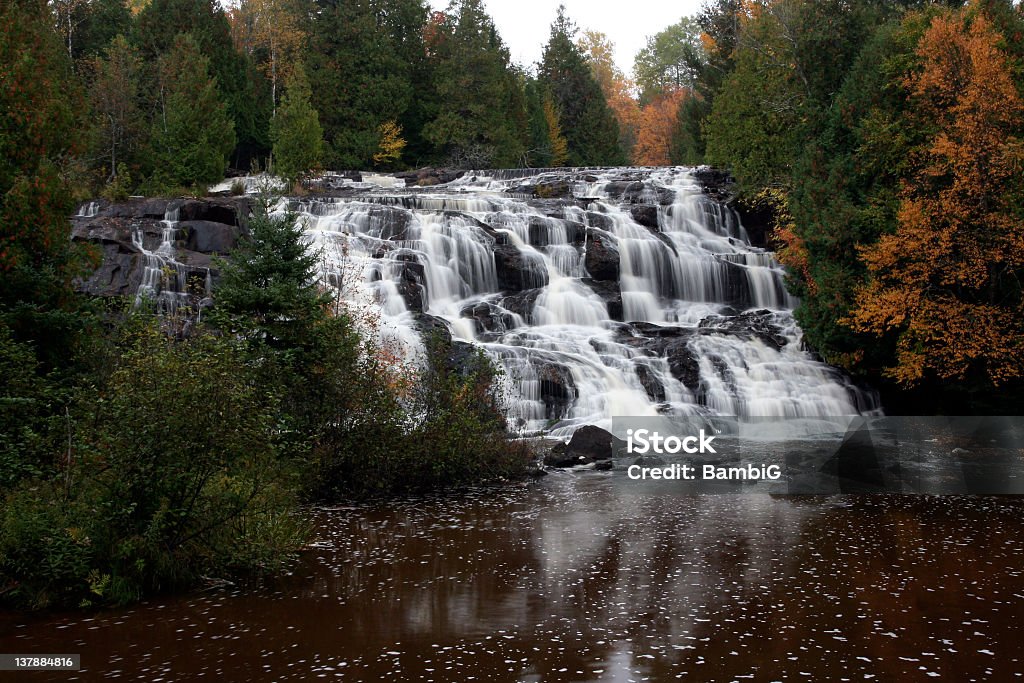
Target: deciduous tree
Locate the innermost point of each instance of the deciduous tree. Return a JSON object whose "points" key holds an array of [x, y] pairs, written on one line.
{"points": [[947, 283]]}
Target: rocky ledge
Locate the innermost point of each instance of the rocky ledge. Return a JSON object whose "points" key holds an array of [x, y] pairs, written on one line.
{"points": [[127, 233]]}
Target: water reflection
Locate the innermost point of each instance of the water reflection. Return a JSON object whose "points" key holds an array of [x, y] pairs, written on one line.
{"points": [[578, 579]]}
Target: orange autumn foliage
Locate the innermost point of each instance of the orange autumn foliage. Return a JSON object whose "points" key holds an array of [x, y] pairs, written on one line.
{"points": [[947, 282], [654, 135]]}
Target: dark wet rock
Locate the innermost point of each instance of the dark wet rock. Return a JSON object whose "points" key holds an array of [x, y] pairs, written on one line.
{"points": [[228, 210], [599, 220], [591, 443], [670, 343], [195, 260], [757, 219], [649, 461], [715, 182], [547, 189], [856, 464], [209, 237], [432, 327], [624, 190], [588, 445], [490, 319], [412, 285], [602, 258], [750, 325], [610, 293], [462, 358], [517, 270], [604, 466], [425, 177], [646, 215], [652, 385], [541, 230], [521, 303], [498, 237], [119, 274], [557, 389], [388, 223]]}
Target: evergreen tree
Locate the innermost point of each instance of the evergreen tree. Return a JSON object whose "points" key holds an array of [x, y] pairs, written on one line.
{"points": [[194, 132], [481, 106], [268, 292], [38, 131], [115, 104], [587, 122], [295, 130], [157, 28], [538, 153], [358, 76]]}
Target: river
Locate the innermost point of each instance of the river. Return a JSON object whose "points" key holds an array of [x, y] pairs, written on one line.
{"points": [[584, 577]]}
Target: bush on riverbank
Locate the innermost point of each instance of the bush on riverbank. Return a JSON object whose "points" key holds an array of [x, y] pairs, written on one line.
{"points": [[166, 460]]}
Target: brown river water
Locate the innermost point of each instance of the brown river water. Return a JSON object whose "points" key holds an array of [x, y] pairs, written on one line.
{"points": [[577, 577]]}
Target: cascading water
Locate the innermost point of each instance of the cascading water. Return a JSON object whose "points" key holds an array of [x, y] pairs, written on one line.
{"points": [[164, 279], [590, 313]]}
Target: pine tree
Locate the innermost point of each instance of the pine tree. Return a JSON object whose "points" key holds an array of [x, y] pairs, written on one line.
{"points": [[358, 76], [588, 123], [194, 132], [296, 131], [157, 27], [268, 291], [482, 106]]}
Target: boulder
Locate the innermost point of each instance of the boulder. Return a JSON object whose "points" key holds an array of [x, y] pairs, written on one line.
{"points": [[490, 319], [521, 303], [557, 389], [412, 285], [228, 210], [610, 293], [590, 444], [750, 325], [518, 270], [119, 274], [209, 237], [602, 258], [670, 343], [646, 215]]}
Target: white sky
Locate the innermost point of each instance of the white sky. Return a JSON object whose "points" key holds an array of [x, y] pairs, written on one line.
{"points": [[524, 25]]}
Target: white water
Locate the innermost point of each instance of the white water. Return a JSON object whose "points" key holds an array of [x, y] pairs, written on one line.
{"points": [[568, 363], [164, 278]]}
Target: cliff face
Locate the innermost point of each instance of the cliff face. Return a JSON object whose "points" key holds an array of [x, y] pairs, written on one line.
{"points": [[163, 247]]}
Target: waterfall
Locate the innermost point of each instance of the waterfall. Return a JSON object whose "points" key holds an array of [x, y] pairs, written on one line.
{"points": [[633, 294], [164, 279]]}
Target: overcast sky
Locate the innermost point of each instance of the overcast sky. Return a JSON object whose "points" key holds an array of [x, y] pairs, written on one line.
{"points": [[525, 24]]}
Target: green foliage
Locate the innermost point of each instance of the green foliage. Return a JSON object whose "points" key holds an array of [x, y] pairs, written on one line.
{"points": [[167, 480], [671, 60], [295, 130], [358, 77], [157, 28], [120, 131], [38, 132], [96, 24], [193, 134], [587, 121], [268, 291], [846, 186], [481, 102], [448, 430]]}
